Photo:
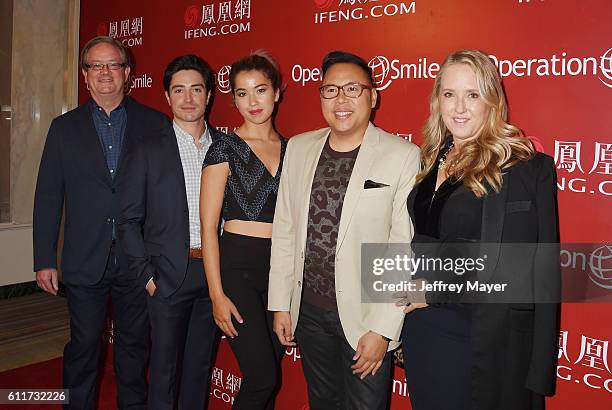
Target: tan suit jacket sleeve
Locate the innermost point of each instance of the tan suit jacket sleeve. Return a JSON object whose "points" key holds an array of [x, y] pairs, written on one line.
{"points": [[401, 231], [283, 244]]}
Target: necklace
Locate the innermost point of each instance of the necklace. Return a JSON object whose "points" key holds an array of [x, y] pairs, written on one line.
{"points": [[447, 150]]}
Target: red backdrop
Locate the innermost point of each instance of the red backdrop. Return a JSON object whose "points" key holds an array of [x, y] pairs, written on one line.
{"points": [[556, 60]]}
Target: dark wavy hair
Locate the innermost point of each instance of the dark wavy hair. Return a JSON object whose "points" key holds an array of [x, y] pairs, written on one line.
{"points": [[189, 62]]}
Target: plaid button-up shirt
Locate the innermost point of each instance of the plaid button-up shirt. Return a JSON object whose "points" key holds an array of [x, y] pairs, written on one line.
{"points": [[192, 159]]}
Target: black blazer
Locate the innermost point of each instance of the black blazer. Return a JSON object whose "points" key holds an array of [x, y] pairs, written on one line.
{"points": [[154, 217], [73, 172], [514, 344]]}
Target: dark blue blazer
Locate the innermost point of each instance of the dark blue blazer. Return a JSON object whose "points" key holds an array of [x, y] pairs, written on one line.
{"points": [[73, 178], [154, 216]]}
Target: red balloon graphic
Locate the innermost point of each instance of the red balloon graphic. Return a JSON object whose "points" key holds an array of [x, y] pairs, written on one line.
{"points": [[323, 4], [192, 15]]}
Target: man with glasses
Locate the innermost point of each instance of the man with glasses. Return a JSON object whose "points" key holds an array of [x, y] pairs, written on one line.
{"points": [[341, 186], [81, 168]]}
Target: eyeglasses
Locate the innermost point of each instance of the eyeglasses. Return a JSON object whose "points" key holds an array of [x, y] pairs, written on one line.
{"points": [[100, 66], [351, 90]]}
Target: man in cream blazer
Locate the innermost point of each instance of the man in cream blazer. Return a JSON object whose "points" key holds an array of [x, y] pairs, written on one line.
{"points": [[341, 187]]}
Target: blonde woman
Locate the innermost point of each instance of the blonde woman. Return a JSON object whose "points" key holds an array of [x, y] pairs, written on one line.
{"points": [[481, 183]]}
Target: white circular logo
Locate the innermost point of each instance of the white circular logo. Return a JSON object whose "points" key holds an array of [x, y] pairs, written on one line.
{"points": [[380, 71], [605, 67], [223, 83], [600, 263]]}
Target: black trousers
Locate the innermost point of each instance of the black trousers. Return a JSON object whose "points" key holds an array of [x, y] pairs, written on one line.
{"points": [[183, 336], [436, 345], [245, 266], [327, 358], [87, 306]]}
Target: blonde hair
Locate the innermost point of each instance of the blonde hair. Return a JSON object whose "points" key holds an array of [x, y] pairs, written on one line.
{"points": [[497, 144]]}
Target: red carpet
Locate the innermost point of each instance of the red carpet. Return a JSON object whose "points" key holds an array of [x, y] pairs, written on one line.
{"points": [[48, 375]]}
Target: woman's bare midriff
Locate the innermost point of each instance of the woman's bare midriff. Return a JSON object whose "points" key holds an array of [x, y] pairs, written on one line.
{"points": [[249, 228]]}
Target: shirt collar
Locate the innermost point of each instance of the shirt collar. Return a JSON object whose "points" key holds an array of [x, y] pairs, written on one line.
{"points": [[181, 133], [96, 107]]}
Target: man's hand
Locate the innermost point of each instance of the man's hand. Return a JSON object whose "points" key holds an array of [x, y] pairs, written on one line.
{"points": [[151, 287], [282, 328], [47, 280], [371, 350]]}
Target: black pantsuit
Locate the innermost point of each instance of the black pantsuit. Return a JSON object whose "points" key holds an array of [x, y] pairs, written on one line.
{"points": [[439, 338], [507, 348]]}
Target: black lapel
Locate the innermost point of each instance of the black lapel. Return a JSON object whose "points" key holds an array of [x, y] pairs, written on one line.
{"points": [[130, 129], [493, 213], [174, 157], [91, 142]]}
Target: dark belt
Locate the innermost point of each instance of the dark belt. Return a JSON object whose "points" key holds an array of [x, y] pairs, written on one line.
{"points": [[195, 253]]}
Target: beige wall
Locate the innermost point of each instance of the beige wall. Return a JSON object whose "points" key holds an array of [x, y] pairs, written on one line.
{"points": [[44, 72], [6, 36]]}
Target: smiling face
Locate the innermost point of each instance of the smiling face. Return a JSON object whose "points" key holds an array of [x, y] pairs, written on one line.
{"points": [[188, 96], [345, 115], [461, 104], [254, 96], [105, 84]]}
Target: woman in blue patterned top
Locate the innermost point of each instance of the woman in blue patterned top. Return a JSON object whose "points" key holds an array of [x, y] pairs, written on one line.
{"points": [[240, 181]]}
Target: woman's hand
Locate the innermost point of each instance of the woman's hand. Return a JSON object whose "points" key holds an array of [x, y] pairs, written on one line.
{"points": [[223, 310], [414, 306]]}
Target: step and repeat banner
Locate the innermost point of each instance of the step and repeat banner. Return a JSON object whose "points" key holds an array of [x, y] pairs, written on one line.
{"points": [[555, 57]]}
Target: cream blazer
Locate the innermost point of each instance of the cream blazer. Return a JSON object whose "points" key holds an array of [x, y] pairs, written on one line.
{"points": [[376, 215]]}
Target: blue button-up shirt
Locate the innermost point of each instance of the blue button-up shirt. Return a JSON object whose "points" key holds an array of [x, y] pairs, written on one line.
{"points": [[110, 131]]}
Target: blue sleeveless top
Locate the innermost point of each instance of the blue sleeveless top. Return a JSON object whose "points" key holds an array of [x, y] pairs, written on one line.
{"points": [[250, 192]]}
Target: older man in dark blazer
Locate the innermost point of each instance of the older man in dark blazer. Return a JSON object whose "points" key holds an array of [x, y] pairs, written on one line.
{"points": [[81, 172]]}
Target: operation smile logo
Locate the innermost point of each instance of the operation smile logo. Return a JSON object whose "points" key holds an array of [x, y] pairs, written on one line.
{"points": [[600, 267], [606, 68], [386, 70], [596, 264], [223, 83], [140, 81]]}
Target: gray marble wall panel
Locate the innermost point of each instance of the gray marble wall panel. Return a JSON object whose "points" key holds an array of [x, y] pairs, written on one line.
{"points": [[38, 71], [6, 38]]}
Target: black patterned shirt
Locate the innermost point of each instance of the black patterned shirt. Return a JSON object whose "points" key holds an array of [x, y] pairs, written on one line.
{"points": [[329, 185], [250, 191]]}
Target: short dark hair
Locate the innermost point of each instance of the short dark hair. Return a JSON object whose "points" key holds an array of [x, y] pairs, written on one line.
{"points": [[125, 55], [337, 57], [189, 62], [261, 61]]}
